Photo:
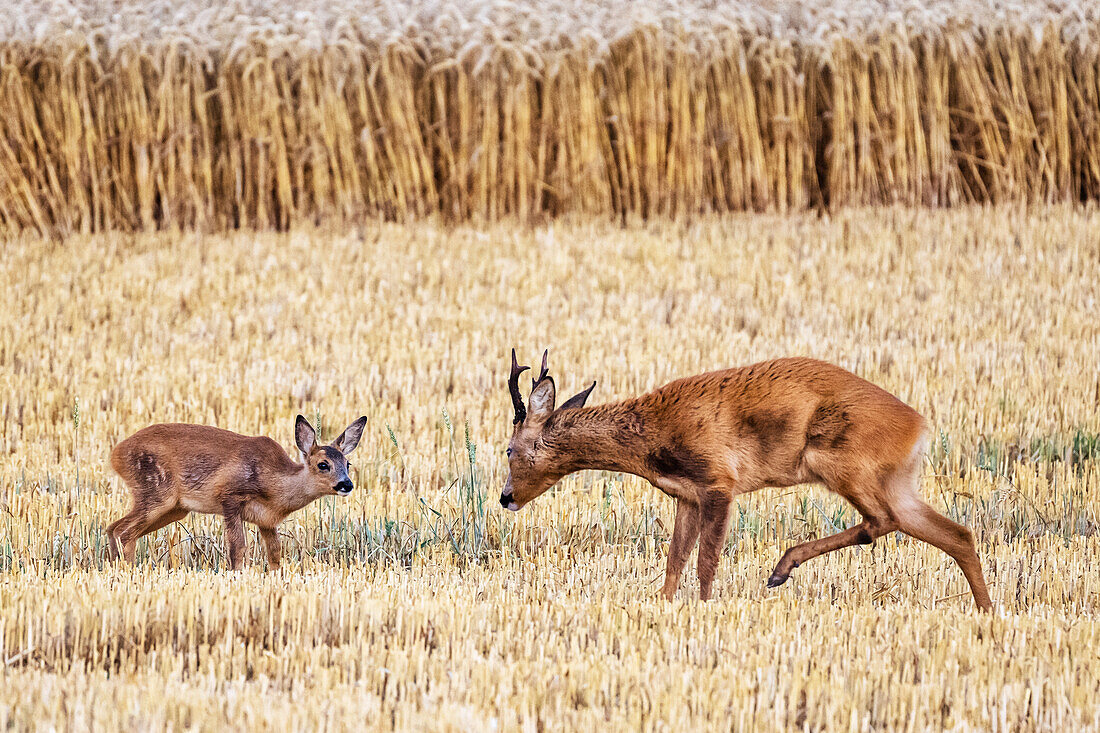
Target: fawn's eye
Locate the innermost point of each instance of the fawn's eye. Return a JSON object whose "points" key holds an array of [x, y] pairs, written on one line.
{"points": [[323, 465], [508, 452]]}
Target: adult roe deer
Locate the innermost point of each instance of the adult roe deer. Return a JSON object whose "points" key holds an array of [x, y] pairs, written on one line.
{"points": [[704, 439], [174, 469]]}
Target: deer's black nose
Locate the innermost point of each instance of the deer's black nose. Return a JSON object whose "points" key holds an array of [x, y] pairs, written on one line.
{"points": [[345, 486], [505, 500]]}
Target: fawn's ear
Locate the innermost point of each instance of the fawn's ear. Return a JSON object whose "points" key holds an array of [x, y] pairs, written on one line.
{"points": [[350, 437], [543, 394], [578, 399], [304, 435]]}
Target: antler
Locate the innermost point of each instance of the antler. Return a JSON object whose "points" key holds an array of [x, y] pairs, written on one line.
{"points": [[513, 387], [542, 372]]}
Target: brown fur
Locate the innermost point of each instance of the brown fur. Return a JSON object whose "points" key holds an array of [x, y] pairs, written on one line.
{"points": [[705, 439], [175, 469]]}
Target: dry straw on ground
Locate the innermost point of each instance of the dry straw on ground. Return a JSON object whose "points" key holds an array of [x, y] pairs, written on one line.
{"points": [[418, 603], [165, 113]]}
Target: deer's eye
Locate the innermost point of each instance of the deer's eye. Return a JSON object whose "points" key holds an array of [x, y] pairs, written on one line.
{"points": [[323, 465], [509, 452]]}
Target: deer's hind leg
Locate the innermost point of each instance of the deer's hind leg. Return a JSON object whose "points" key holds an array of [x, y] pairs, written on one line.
{"points": [[921, 521], [864, 533], [878, 520]]}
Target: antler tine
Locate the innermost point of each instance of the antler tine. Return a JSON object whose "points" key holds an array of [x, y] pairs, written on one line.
{"points": [[513, 387], [543, 370]]}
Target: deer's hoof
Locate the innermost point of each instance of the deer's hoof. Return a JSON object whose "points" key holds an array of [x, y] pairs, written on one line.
{"points": [[777, 579]]}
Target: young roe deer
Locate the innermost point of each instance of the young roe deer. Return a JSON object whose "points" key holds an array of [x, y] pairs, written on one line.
{"points": [[705, 439], [173, 469]]}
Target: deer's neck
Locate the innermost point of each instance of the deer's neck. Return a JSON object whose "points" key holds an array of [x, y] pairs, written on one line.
{"points": [[603, 438]]}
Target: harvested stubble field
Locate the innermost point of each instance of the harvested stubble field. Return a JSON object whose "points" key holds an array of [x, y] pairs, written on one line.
{"points": [[418, 603]]}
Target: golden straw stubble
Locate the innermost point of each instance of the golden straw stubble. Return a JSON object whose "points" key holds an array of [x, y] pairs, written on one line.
{"points": [[419, 603]]}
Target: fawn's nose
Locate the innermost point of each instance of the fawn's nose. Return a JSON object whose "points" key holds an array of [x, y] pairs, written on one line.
{"points": [[345, 486]]}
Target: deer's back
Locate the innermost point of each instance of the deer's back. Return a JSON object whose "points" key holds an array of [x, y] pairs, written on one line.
{"points": [[776, 417]]}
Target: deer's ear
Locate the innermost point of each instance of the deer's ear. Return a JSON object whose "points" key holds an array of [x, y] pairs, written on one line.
{"points": [[304, 435], [541, 403], [350, 437], [578, 399]]}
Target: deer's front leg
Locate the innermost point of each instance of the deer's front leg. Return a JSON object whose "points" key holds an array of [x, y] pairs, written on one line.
{"points": [[714, 515], [271, 545], [684, 534], [234, 538]]}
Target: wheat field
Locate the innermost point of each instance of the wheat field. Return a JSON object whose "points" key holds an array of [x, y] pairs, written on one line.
{"points": [[417, 603], [182, 114]]}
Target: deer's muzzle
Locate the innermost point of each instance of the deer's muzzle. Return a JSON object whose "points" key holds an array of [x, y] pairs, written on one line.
{"points": [[508, 502]]}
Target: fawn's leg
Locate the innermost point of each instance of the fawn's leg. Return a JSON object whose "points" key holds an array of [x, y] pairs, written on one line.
{"points": [[270, 536], [139, 522], [112, 536], [173, 515], [684, 534], [151, 487], [235, 538], [151, 524]]}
